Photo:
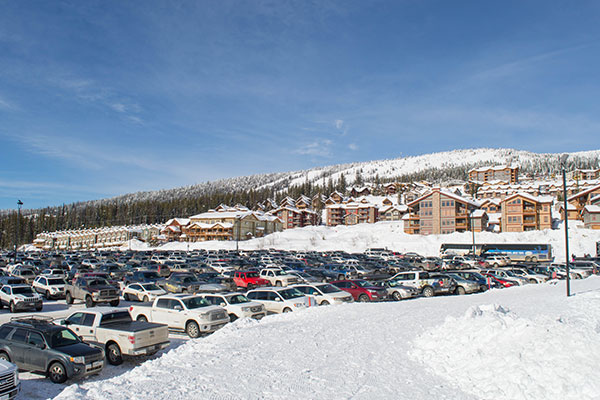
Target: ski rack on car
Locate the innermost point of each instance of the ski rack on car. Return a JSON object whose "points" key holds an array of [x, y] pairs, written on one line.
{"points": [[33, 320]]}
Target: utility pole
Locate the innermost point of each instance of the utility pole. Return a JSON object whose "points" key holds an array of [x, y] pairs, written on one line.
{"points": [[563, 162], [19, 204]]}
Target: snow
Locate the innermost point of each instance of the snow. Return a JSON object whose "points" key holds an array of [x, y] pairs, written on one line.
{"points": [[390, 235], [529, 342]]}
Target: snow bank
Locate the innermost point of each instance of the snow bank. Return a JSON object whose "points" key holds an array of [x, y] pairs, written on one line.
{"points": [[358, 238], [494, 353]]}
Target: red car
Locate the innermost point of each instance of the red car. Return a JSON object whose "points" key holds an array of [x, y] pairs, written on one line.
{"points": [[249, 279], [501, 281], [361, 290]]}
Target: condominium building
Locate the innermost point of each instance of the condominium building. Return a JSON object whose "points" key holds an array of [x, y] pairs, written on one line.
{"points": [[586, 197], [591, 217], [523, 212], [496, 174]]}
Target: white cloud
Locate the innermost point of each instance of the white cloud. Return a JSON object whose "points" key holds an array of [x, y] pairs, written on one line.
{"points": [[6, 105], [353, 146], [339, 124], [320, 147]]}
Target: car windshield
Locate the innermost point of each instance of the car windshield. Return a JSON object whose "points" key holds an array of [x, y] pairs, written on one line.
{"points": [[195, 302], [237, 299], [288, 294], [150, 286], [63, 337], [56, 281], [187, 279], [22, 290], [328, 288], [96, 282], [252, 275], [363, 284], [279, 272]]}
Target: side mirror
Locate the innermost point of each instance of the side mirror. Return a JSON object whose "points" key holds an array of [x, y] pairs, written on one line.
{"points": [[178, 308], [222, 304], [65, 322], [277, 299]]}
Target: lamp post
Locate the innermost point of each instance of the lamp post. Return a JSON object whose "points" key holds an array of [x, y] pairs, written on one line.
{"points": [[237, 238], [19, 204], [563, 162]]}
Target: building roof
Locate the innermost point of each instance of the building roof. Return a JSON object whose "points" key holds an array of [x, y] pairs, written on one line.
{"points": [[583, 192], [537, 199], [494, 168], [446, 193], [592, 209]]}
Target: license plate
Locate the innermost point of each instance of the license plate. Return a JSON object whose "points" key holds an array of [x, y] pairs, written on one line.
{"points": [[96, 364], [4, 397]]}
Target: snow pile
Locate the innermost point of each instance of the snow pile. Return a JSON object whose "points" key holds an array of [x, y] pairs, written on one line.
{"points": [[494, 353]]}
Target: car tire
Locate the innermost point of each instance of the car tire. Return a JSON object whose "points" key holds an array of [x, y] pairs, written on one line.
{"points": [[57, 372], [428, 291], [363, 298], [287, 310], [12, 307], [396, 296], [126, 297], [250, 286], [114, 303], [4, 356], [89, 302], [341, 277], [39, 308], [142, 318], [534, 259], [113, 354], [192, 329], [532, 281], [278, 284], [324, 303], [460, 291], [47, 295], [232, 317], [145, 299], [68, 298]]}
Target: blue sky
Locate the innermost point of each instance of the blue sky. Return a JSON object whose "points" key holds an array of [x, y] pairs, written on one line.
{"points": [[110, 97]]}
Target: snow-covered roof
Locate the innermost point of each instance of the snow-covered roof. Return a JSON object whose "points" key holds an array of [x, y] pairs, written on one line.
{"points": [[537, 199], [583, 192], [592, 209], [478, 213], [493, 168], [180, 221], [446, 193]]}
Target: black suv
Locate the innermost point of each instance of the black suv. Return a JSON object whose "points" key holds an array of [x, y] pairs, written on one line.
{"points": [[37, 344]]}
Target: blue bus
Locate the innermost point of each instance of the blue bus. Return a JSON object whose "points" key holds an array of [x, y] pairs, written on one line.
{"points": [[528, 252]]}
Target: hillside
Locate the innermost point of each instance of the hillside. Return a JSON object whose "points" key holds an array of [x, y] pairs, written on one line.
{"points": [[402, 168]]}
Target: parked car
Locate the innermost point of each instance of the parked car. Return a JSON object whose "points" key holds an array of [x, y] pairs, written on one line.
{"points": [[91, 290], [117, 333], [187, 283], [425, 283], [142, 292], [237, 305], [325, 293], [10, 385], [51, 287], [20, 297], [188, 313], [281, 300], [248, 279], [361, 290], [396, 290], [39, 345], [277, 277], [462, 285]]}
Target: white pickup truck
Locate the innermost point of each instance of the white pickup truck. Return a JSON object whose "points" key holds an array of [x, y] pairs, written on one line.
{"points": [[182, 312], [278, 277], [117, 333]]}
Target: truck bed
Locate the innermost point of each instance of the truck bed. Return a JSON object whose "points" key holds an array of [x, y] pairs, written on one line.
{"points": [[133, 326]]}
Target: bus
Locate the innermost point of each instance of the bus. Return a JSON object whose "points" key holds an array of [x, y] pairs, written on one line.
{"points": [[528, 252]]}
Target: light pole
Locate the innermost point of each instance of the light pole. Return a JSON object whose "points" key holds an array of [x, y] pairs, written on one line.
{"points": [[563, 162], [237, 238], [19, 204]]}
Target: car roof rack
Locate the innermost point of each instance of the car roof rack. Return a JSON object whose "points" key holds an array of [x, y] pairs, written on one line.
{"points": [[33, 320]]}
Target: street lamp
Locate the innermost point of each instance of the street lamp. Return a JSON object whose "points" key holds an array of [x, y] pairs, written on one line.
{"points": [[19, 204], [563, 164]]}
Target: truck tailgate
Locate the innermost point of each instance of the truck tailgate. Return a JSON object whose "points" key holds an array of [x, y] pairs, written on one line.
{"points": [[148, 337]]}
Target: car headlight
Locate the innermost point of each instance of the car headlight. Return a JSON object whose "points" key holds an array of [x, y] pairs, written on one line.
{"points": [[299, 305], [246, 309], [78, 360], [205, 315], [16, 378]]}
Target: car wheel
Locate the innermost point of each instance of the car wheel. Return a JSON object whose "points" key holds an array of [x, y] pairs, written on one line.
{"points": [[287, 310], [534, 259], [324, 303], [12, 307], [460, 290], [4, 356], [341, 277], [39, 308], [278, 283], [126, 297], [113, 354], [142, 318], [114, 303], [250, 286], [532, 280], [495, 265], [69, 298], [363, 298], [89, 302], [47, 295], [192, 329], [232, 317], [57, 373], [146, 299], [396, 296], [428, 291]]}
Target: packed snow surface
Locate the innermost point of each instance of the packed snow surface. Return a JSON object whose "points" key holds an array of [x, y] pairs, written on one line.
{"points": [[528, 342]]}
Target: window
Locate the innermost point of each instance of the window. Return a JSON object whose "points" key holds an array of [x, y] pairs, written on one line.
{"points": [[162, 303], [4, 331], [20, 335], [272, 296], [35, 339], [76, 318], [136, 287], [88, 319]]}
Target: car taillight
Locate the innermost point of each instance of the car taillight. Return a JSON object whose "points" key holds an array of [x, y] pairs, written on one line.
{"points": [[130, 308], [131, 339], [441, 282]]}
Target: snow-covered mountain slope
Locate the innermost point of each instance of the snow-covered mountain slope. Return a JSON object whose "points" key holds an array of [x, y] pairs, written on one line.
{"points": [[358, 238], [384, 169], [529, 342]]}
